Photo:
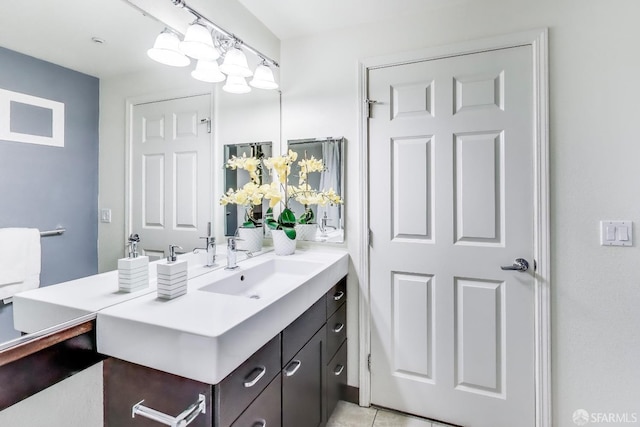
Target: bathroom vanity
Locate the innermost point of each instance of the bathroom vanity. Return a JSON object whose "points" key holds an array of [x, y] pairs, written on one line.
{"points": [[261, 346], [294, 380]]}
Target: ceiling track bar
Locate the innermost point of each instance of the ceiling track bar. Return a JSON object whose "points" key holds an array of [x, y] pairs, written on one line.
{"points": [[182, 4]]}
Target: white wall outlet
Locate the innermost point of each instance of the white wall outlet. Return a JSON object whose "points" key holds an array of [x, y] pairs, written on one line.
{"points": [[105, 215], [616, 233]]}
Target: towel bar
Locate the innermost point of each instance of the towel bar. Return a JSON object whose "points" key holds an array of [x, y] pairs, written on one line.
{"points": [[56, 232]]}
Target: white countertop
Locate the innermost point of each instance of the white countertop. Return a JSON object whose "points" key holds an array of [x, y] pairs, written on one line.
{"points": [[204, 335], [44, 307]]}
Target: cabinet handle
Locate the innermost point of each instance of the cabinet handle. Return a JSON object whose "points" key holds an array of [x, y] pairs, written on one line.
{"points": [[184, 419], [261, 423], [339, 327], [338, 370], [261, 370], [291, 369], [338, 296]]}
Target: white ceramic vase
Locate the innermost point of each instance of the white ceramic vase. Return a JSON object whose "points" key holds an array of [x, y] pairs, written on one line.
{"points": [[282, 244], [250, 239], [306, 231]]}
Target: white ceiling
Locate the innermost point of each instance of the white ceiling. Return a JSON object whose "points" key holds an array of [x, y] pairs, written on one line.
{"points": [[61, 31], [296, 18]]}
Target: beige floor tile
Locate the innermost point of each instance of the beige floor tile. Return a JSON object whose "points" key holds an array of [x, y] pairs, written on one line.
{"points": [[350, 415], [393, 419]]}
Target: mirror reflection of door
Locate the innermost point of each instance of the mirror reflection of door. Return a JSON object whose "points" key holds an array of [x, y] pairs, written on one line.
{"points": [[170, 173]]}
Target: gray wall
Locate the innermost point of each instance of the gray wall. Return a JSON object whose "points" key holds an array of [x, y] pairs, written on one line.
{"points": [[42, 186]]}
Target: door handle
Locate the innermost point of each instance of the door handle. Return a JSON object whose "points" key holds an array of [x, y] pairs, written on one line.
{"points": [[519, 264]]}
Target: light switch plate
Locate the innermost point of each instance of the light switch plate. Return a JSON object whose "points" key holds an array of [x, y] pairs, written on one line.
{"points": [[616, 233], [105, 215]]}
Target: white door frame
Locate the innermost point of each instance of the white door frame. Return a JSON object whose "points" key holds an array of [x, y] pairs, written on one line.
{"points": [[130, 103], [537, 39]]}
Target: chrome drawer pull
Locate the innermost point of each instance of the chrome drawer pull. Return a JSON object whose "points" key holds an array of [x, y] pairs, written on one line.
{"points": [[339, 327], [338, 370], [261, 370], [261, 423], [338, 296], [184, 419], [291, 369]]}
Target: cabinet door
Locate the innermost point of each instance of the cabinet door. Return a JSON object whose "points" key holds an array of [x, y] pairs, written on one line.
{"points": [[336, 378], [302, 329], [265, 410], [302, 385], [336, 331], [336, 296], [126, 384], [236, 391]]}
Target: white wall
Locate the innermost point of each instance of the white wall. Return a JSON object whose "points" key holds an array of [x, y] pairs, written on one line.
{"points": [[594, 92], [74, 402]]}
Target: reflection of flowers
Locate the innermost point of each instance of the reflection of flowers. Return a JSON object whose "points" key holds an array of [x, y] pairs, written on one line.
{"points": [[250, 194], [250, 164], [306, 195]]}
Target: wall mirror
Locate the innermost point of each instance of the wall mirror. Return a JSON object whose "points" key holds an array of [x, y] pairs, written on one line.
{"points": [[236, 118], [328, 219], [234, 214]]}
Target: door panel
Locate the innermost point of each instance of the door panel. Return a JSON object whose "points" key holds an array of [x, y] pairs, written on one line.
{"points": [[451, 200], [171, 180]]}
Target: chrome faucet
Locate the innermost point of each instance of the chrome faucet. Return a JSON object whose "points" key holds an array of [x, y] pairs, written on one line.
{"points": [[323, 224], [210, 247], [232, 253]]}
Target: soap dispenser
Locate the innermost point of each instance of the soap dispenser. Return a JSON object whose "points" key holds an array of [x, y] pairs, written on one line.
{"points": [[172, 276], [133, 271]]}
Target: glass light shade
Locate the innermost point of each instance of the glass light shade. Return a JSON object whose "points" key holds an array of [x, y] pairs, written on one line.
{"points": [[236, 84], [207, 71], [263, 78], [198, 43], [235, 64], [165, 50]]}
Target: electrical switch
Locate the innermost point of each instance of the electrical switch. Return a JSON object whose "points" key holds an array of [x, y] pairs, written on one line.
{"points": [[616, 233], [622, 233], [611, 233]]}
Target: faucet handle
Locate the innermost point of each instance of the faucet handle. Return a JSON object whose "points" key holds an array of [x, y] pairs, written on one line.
{"points": [[172, 253]]}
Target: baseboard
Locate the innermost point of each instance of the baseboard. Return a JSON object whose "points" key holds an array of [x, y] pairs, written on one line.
{"points": [[351, 394]]}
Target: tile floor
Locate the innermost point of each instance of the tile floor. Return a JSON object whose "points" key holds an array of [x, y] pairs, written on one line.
{"points": [[351, 415]]}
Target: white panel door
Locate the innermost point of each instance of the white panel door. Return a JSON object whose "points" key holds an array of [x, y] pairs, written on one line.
{"points": [[171, 179], [451, 201]]}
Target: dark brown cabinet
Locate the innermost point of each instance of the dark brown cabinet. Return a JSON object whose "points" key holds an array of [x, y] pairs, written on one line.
{"points": [[302, 385], [295, 380]]}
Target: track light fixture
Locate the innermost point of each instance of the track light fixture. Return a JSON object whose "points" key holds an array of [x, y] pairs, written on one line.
{"points": [[206, 42]]}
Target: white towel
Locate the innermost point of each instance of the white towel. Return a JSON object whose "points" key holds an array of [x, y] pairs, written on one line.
{"points": [[19, 260]]}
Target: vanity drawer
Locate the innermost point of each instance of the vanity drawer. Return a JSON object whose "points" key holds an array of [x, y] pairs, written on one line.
{"points": [[265, 411], [126, 384], [336, 378], [336, 296], [233, 394], [336, 330], [302, 329]]}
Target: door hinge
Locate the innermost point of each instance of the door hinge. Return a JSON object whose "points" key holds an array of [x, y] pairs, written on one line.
{"points": [[370, 238], [369, 362], [208, 122], [369, 102]]}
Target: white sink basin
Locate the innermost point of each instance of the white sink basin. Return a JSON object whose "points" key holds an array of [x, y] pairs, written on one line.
{"points": [[207, 333], [267, 280]]}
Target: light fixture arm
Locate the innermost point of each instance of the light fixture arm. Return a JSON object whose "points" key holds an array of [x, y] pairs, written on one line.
{"points": [[198, 15]]}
